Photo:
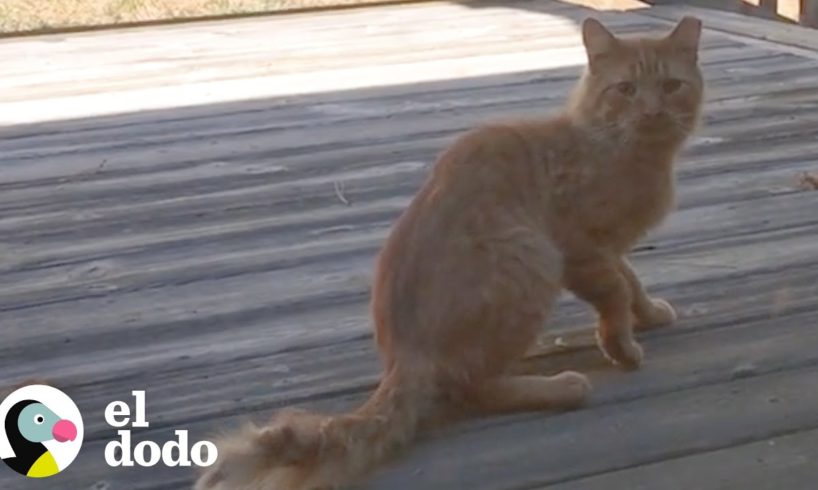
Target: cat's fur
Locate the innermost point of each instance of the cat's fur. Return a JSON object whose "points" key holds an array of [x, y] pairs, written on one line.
{"points": [[511, 214]]}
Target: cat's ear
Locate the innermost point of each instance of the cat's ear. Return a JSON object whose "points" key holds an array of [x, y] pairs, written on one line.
{"points": [[686, 35], [597, 39]]}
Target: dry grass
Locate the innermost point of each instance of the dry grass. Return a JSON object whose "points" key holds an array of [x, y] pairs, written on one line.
{"points": [[29, 15]]}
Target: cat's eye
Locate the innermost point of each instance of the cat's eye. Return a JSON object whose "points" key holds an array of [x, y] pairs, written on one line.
{"points": [[670, 86], [626, 88]]}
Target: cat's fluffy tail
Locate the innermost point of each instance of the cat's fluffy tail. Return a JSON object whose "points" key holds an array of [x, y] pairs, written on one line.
{"points": [[305, 451]]}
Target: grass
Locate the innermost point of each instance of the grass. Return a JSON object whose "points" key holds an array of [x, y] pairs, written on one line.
{"points": [[38, 15]]}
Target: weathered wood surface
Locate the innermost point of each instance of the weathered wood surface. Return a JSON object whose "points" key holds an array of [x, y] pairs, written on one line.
{"points": [[751, 29], [804, 12], [215, 249]]}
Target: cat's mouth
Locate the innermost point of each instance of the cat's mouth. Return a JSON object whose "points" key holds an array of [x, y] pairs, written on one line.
{"points": [[657, 125]]}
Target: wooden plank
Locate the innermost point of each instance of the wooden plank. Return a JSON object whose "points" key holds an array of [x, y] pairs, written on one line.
{"points": [[105, 154], [79, 58], [789, 461], [540, 450], [793, 38], [251, 64], [723, 220], [756, 349]]}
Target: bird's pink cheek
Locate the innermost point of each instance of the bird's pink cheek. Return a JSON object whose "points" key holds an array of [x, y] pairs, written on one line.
{"points": [[64, 431]]}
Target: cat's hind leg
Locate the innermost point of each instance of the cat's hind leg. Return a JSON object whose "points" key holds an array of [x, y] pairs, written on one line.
{"points": [[512, 393]]}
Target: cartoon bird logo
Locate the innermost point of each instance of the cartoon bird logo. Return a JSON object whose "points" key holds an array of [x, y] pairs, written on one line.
{"points": [[34, 433]]}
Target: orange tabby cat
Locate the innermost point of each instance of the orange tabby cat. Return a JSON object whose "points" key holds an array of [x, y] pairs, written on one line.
{"points": [[511, 214]]}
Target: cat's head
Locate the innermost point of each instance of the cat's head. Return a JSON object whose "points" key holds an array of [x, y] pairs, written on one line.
{"points": [[641, 87]]}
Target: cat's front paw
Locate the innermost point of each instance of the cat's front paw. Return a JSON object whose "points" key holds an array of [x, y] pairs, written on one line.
{"points": [[627, 354], [659, 314]]}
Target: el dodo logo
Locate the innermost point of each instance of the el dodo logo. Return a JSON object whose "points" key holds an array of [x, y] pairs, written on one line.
{"points": [[41, 432], [149, 453]]}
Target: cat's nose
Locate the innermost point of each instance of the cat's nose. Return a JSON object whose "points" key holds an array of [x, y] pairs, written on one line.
{"points": [[652, 112], [652, 121], [657, 117]]}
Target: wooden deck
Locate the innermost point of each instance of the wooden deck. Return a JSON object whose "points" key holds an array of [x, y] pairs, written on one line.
{"points": [[194, 211]]}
